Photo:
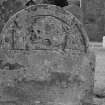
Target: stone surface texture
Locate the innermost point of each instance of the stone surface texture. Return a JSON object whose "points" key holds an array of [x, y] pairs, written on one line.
{"points": [[45, 59], [10, 7], [75, 10], [95, 19], [7, 9]]}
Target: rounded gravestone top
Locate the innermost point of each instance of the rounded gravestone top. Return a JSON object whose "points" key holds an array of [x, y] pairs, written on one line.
{"points": [[41, 27]]}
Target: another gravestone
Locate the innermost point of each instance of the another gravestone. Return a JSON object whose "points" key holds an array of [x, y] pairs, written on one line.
{"points": [[45, 59], [103, 42]]}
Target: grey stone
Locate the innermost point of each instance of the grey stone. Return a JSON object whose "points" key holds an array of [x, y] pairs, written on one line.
{"points": [[55, 65], [76, 11]]}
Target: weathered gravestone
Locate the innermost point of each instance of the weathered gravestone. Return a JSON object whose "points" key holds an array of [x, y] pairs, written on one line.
{"points": [[45, 59]]}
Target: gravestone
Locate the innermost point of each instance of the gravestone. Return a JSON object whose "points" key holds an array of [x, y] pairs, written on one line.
{"points": [[45, 59], [103, 42]]}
